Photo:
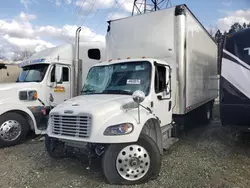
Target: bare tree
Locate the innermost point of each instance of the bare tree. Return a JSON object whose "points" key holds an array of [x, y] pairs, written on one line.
{"points": [[1, 55], [19, 56], [212, 30]]}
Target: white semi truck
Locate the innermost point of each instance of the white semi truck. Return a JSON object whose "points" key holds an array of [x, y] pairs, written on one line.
{"points": [[234, 81], [161, 70], [25, 104]]}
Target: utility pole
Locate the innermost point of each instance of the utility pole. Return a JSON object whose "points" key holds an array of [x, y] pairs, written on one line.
{"points": [[144, 6]]}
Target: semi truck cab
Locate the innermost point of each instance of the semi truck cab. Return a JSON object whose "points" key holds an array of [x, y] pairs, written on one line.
{"points": [[25, 104]]}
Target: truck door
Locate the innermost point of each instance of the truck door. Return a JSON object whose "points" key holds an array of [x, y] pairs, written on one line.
{"points": [[59, 92], [162, 99]]}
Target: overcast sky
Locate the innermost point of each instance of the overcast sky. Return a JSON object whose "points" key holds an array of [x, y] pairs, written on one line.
{"points": [[38, 24]]}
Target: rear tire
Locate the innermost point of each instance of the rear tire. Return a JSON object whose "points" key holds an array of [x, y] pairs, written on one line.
{"points": [[55, 148], [132, 163], [206, 113], [13, 129]]}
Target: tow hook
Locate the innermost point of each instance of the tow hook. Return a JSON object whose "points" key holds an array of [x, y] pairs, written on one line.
{"points": [[99, 149]]}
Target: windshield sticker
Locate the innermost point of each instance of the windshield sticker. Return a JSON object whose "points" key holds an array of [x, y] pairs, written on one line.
{"points": [[133, 81], [139, 67], [123, 66]]}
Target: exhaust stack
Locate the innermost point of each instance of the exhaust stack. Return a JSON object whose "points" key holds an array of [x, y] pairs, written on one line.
{"points": [[76, 85]]}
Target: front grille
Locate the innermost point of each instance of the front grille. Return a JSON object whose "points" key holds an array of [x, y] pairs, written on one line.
{"points": [[74, 126]]}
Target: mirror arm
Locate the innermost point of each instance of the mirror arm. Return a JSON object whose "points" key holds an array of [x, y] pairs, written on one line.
{"points": [[147, 108]]}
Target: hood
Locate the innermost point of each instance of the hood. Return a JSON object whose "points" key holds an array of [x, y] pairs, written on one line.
{"points": [[10, 91], [94, 104]]}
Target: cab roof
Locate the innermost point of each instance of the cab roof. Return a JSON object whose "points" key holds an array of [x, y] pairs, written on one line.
{"points": [[63, 53]]}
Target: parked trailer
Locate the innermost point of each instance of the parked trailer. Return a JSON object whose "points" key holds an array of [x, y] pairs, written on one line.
{"points": [[234, 81], [161, 70], [25, 104], [9, 72]]}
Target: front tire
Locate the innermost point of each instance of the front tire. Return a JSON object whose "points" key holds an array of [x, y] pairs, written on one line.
{"points": [[13, 129], [132, 163]]}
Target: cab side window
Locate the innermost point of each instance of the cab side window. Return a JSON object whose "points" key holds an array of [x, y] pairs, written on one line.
{"points": [[65, 73], [160, 79], [94, 54], [52, 77]]}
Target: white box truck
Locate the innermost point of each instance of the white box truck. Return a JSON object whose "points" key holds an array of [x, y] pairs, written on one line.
{"points": [[25, 104], [161, 69], [234, 81]]}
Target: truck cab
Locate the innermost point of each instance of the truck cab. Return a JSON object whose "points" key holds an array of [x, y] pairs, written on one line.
{"points": [[121, 102], [44, 82]]}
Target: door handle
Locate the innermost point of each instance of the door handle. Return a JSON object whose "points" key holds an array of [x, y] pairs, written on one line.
{"points": [[159, 97], [169, 105]]}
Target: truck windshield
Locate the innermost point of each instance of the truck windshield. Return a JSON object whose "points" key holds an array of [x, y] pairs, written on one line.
{"points": [[33, 73], [121, 78]]}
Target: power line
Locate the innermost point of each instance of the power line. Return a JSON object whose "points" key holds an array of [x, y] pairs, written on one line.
{"points": [[116, 2], [86, 15]]}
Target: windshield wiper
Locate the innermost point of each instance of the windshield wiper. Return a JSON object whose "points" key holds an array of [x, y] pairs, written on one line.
{"points": [[87, 92], [111, 91]]}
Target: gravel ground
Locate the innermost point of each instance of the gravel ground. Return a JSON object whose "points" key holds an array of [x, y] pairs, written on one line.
{"points": [[207, 156]]}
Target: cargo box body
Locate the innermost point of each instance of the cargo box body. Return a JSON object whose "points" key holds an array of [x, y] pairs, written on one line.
{"points": [[177, 37]]}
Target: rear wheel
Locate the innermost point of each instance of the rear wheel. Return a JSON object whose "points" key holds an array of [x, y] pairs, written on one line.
{"points": [[206, 113], [132, 163], [13, 129]]}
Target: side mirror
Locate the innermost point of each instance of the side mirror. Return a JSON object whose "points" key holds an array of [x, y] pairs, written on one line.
{"points": [[138, 96], [167, 89], [58, 74]]}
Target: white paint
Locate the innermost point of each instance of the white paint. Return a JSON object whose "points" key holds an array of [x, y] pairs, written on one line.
{"points": [[201, 64], [148, 35]]}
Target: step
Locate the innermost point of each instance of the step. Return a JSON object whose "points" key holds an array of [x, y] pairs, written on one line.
{"points": [[169, 142], [166, 128], [166, 132]]}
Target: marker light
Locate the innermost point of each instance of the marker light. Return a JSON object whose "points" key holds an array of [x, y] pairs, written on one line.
{"points": [[28, 95]]}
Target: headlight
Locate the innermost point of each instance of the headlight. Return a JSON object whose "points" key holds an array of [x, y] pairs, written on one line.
{"points": [[120, 129], [28, 95]]}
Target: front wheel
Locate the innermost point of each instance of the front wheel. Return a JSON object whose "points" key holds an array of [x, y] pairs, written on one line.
{"points": [[13, 129], [132, 163]]}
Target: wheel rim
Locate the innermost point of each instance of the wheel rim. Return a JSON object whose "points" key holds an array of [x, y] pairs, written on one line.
{"points": [[10, 130], [133, 162]]}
